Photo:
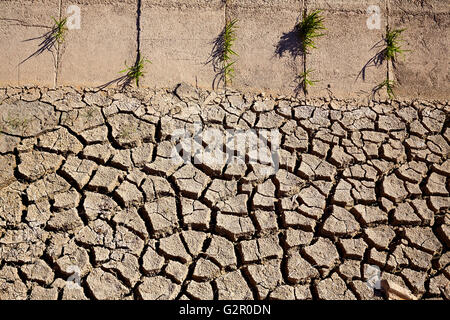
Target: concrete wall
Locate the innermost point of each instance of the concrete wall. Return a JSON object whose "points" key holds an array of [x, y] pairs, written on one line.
{"points": [[178, 37]]}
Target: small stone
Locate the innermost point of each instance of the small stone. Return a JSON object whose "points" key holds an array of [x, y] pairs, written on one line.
{"points": [[157, 288], [129, 194], [353, 248], [322, 254], [394, 189], [67, 200], [340, 222], [195, 214], [299, 270], [34, 165], [404, 215], [105, 179], [38, 271], [105, 286], [78, 170], [221, 251], [261, 248], [162, 215], [232, 286], [379, 237], [334, 288], [194, 241], [190, 180], [205, 270], [234, 227], [174, 248], [152, 262], [424, 239], [200, 290], [265, 277], [394, 291], [177, 271]]}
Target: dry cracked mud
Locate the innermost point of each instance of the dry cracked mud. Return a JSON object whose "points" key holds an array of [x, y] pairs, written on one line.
{"points": [[93, 204]]}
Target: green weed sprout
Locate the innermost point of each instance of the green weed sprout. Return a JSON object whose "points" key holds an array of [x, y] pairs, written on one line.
{"points": [[389, 84], [59, 30], [228, 40], [305, 82], [135, 72], [393, 47], [310, 28]]}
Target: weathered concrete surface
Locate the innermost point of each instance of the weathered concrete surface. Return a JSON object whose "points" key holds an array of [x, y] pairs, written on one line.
{"points": [[94, 185], [423, 71], [267, 45], [341, 62], [105, 44], [178, 37], [22, 27]]}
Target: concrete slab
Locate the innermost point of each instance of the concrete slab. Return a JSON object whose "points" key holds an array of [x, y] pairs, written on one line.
{"points": [[106, 40], [267, 44], [19, 22], [348, 46], [359, 6], [424, 71], [419, 6], [178, 37]]}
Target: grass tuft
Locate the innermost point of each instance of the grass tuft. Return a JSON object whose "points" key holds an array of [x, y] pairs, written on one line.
{"points": [[304, 80], [135, 72], [59, 29], [389, 85], [393, 47], [310, 28], [229, 37]]}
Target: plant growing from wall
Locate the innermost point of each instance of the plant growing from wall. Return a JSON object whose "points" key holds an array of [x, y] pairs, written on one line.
{"points": [[390, 53], [59, 29], [310, 28], [389, 85], [305, 81], [50, 40], [393, 47], [229, 37], [135, 72]]}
